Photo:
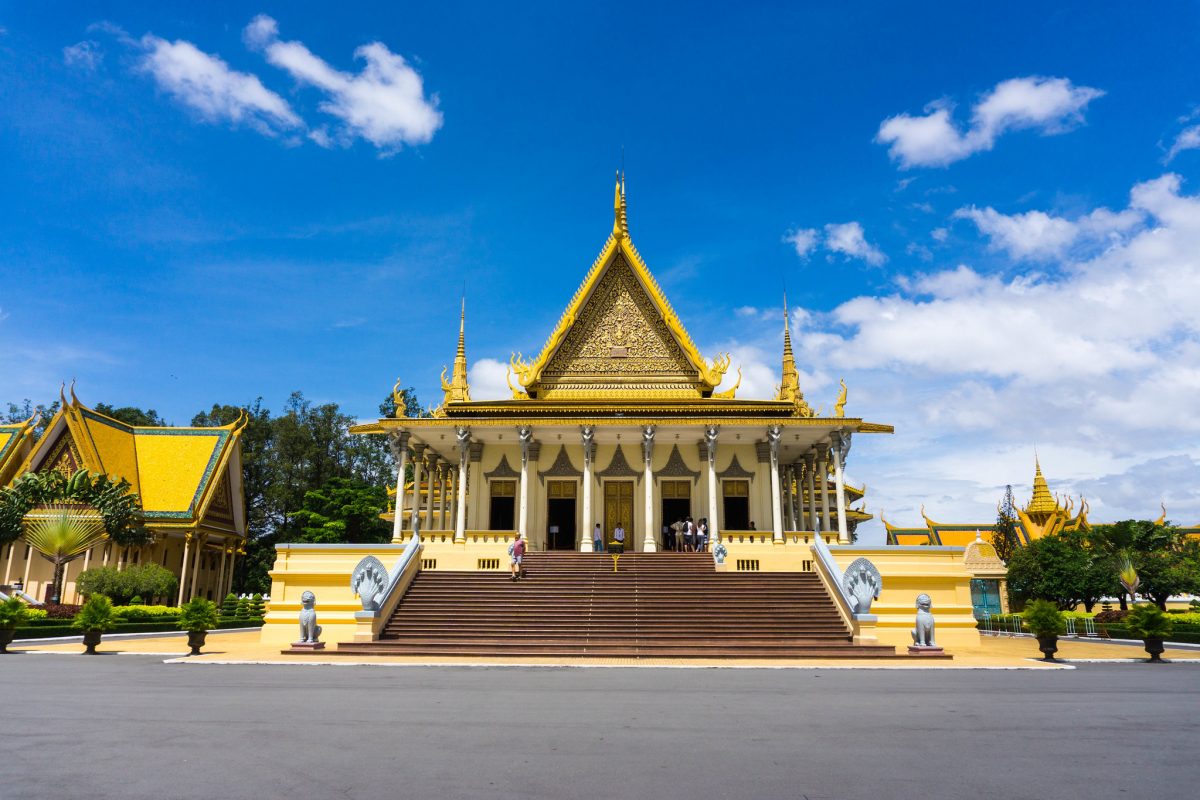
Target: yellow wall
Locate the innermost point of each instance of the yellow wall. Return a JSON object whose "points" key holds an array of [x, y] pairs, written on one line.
{"points": [[907, 572]]}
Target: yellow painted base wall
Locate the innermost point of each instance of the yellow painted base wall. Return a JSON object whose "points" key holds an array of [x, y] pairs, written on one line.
{"points": [[909, 571]]}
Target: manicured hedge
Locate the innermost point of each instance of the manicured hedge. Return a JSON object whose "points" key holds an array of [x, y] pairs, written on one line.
{"points": [[39, 629], [1188, 634]]}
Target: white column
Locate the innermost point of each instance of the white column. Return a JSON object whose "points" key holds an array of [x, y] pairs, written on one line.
{"points": [[12, 548], [810, 467], [525, 434], [822, 475], [399, 442], [418, 450], [587, 433], [773, 434], [710, 439], [840, 445], [789, 510], [460, 519], [648, 542], [452, 489], [219, 595], [183, 573], [430, 468], [196, 564], [444, 516]]}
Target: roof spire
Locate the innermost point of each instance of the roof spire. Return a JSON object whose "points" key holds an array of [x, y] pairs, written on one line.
{"points": [[620, 221], [458, 390], [789, 389]]}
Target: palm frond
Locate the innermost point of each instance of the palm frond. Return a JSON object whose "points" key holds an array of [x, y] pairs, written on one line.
{"points": [[62, 533]]}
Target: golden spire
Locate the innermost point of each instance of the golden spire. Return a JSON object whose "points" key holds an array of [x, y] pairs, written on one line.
{"points": [[620, 220], [1042, 501], [789, 389], [457, 390]]}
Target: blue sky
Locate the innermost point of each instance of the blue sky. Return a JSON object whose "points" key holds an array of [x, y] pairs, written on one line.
{"points": [[986, 219]]}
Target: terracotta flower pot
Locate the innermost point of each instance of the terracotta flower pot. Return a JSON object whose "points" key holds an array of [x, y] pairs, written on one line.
{"points": [[1154, 646], [90, 640], [196, 641], [1048, 644], [6, 636]]}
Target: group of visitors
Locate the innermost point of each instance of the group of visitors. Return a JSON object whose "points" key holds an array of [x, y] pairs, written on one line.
{"points": [[686, 535], [617, 545]]}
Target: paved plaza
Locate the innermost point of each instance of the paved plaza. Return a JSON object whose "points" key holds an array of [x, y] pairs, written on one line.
{"points": [[131, 726]]}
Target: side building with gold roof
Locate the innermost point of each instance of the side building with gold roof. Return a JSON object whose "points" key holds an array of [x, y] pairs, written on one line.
{"points": [[188, 480]]}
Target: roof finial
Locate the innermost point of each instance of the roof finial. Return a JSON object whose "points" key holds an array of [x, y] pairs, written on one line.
{"points": [[457, 390], [620, 221], [789, 389]]}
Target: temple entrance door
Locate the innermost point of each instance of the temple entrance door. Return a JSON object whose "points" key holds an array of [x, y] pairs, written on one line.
{"points": [[676, 504], [560, 515], [618, 510]]}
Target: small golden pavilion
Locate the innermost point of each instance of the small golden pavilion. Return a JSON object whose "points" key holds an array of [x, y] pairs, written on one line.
{"points": [[618, 421], [188, 480]]}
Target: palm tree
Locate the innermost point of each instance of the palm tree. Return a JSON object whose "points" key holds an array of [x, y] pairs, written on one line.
{"points": [[61, 534]]}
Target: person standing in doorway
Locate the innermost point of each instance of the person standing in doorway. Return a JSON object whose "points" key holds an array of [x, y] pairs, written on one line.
{"points": [[677, 535], [516, 552], [702, 535], [598, 539], [689, 535], [619, 538]]}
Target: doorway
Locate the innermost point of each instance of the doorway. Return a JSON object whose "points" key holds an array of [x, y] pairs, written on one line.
{"points": [[736, 502], [560, 515], [502, 508], [618, 510], [676, 505]]}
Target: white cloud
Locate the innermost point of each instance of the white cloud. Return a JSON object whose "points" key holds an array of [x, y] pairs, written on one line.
{"points": [[206, 84], [939, 234], [385, 103], [488, 380], [849, 239], [1188, 139], [803, 240], [1038, 235], [85, 55], [1049, 105]]}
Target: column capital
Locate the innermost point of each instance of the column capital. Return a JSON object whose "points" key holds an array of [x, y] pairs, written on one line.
{"points": [[476, 449], [810, 459], [763, 451], [398, 441], [418, 449]]}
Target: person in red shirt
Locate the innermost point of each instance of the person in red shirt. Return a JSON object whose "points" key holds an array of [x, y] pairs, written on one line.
{"points": [[517, 552]]}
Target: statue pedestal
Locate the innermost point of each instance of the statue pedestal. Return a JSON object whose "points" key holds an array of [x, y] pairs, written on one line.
{"points": [[918, 650], [307, 646]]}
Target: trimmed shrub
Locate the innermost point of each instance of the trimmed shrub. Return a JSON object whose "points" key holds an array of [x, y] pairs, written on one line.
{"points": [[243, 609], [35, 613], [198, 614], [60, 610], [229, 605], [13, 613], [257, 607], [146, 612], [1043, 618], [1148, 621], [95, 615], [1115, 615], [136, 600]]}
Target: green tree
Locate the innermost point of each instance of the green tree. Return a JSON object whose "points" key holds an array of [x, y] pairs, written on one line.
{"points": [[1004, 533], [26, 409], [344, 510], [1061, 568]]}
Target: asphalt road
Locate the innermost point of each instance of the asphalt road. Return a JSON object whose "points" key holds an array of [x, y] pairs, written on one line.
{"points": [[132, 727]]}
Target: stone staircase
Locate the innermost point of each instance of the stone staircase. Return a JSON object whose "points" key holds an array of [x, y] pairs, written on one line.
{"points": [[657, 605]]}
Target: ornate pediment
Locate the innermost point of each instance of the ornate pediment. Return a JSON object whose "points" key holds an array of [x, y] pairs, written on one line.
{"points": [[619, 467], [502, 470], [676, 468], [561, 468]]}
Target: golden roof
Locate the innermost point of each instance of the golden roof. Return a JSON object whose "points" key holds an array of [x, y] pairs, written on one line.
{"points": [[15, 440], [1042, 501], [174, 471]]}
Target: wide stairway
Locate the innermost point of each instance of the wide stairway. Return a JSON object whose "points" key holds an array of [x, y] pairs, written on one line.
{"points": [[657, 605]]}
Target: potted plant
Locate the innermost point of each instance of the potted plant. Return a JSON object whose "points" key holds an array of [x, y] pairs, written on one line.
{"points": [[1149, 623], [94, 618], [1046, 622], [197, 616], [12, 614]]}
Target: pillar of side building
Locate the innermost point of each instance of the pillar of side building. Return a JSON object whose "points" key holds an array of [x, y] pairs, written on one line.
{"points": [[823, 485], [218, 595], [452, 494], [773, 435], [762, 452], [399, 442], [464, 453], [183, 575], [710, 439], [789, 494], [431, 461], [415, 505], [648, 542], [798, 470], [444, 469], [587, 434], [841, 443], [525, 435], [477, 511], [810, 468]]}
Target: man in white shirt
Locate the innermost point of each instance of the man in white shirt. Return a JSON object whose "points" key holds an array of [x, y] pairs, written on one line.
{"points": [[619, 538]]}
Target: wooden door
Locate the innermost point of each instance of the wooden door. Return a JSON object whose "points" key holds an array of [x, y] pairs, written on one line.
{"points": [[618, 510]]}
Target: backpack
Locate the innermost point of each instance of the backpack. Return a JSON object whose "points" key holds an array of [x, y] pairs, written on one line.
{"points": [[511, 547]]}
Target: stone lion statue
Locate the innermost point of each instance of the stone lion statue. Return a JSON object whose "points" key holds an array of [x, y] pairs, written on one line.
{"points": [[310, 631], [922, 634], [369, 581], [862, 583]]}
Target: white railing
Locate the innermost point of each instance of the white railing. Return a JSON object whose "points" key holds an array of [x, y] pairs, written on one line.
{"points": [[827, 569], [399, 578]]}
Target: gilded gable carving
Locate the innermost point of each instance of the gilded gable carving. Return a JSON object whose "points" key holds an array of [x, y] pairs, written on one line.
{"points": [[619, 333]]}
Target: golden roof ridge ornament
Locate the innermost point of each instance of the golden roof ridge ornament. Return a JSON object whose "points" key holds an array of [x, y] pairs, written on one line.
{"points": [[839, 408], [620, 218], [789, 388], [458, 390]]}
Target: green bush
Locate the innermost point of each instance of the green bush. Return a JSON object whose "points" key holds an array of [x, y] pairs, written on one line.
{"points": [[146, 612], [95, 615], [243, 609], [1147, 621], [142, 580], [13, 613], [229, 605], [257, 607], [198, 614], [36, 613], [136, 600], [1043, 618]]}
